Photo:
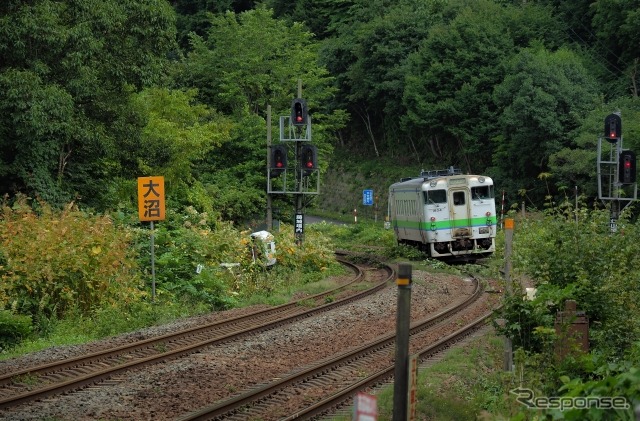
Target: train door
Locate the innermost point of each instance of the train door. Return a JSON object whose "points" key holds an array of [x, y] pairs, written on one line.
{"points": [[460, 215]]}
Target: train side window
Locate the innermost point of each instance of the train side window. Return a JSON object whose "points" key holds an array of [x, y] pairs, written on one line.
{"points": [[435, 196], [458, 198], [482, 192]]}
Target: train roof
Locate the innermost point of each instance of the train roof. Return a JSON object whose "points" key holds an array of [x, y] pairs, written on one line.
{"points": [[430, 175]]}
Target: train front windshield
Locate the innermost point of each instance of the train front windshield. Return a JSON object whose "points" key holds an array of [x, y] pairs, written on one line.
{"points": [[432, 197], [482, 192]]}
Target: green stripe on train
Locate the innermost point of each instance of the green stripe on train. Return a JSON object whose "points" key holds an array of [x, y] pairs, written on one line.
{"points": [[441, 225]]}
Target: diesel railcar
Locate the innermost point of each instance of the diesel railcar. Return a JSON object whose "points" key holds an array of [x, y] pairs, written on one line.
{"points": [[447, 214]]}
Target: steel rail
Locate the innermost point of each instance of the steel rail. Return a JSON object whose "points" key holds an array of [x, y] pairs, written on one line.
{"points": [[244, 402], [77, 367]]}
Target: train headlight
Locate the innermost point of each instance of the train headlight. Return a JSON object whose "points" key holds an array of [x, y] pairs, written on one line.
{"points": [[433, 219], [480, 179], [433, 183]]}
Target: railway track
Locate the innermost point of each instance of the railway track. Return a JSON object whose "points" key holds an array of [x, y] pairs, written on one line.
{"points": [[315, 390], [35, 383]]}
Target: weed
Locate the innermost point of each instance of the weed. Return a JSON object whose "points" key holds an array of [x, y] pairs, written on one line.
{"points": [[26, 379]]}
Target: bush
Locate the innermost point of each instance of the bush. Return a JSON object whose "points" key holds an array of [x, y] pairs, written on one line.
{"points": [[577, 257], [13, 328], [573, 255], [53, 263], [188, 251]]}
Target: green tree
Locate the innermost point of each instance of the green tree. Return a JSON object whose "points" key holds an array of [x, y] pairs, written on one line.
{"points": [[449, 81], [617, 25], [179, 134], [368, 54], [543, 101], [68, 70], [322, 17], [250, 60], [247, 62], [193, 15]]}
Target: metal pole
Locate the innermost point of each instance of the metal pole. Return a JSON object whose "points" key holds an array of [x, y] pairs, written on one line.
{"points": [[508, 244], [615, 204], [403, 321], [502, 211], [299, 178], [153, 266], [269, 205]]}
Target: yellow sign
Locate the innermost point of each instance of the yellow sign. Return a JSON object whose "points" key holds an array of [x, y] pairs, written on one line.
{"points": [[151, 198], [403, 281], [508, 223]]}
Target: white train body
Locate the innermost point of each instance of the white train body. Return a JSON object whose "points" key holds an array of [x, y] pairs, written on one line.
{"points": [[445, 213]]}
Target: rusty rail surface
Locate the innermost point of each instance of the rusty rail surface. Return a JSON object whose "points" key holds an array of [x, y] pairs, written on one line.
{"points": [[76, 373], [335, 377]]}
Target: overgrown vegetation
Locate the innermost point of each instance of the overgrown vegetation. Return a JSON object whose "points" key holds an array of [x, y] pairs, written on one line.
{"points": [[566, 253], [57, 263], [71, 276], [571, 254]]}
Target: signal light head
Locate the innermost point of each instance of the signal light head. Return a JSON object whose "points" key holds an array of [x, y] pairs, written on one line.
{"points": [[627, 167], [308, 157], [613, 128], [299, 112], [278, 160]]}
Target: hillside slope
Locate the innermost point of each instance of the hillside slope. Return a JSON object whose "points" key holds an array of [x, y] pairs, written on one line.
{"points": [[342, 186]]}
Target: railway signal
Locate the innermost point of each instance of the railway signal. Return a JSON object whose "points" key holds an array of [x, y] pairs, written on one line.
{"points": [[613, 128], [278, 160], [627, 167], [299, 114], [308, 159]]}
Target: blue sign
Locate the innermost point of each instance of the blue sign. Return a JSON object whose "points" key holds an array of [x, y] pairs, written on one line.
{"points": [[367, 197]]}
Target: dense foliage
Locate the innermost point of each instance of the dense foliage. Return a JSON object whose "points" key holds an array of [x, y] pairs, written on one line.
{"points": [[67, 75], [95, 270], [509, 88], [97, 93], [55, 263], [571, 254]]}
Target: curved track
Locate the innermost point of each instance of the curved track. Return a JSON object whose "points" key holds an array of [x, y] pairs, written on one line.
{"points": [[38, 382], [315, 390]]}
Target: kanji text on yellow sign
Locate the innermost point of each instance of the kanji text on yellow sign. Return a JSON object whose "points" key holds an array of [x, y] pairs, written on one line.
{"points": [[151, 198]]}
